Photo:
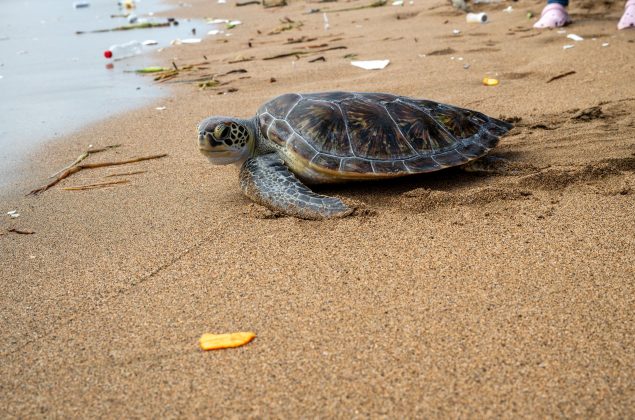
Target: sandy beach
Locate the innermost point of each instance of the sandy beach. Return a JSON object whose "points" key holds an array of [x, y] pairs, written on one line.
{"points": [[445, 295]]}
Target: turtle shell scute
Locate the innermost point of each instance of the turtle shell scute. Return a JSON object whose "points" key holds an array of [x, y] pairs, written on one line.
{"points": [[279, 107], [389, 167], [322, 124], [373, 133], [326, 161], [299, 147], [279, 132]]}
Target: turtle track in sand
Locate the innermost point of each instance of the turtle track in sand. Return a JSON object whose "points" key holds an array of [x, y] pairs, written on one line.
{"points": [[570, 170]]}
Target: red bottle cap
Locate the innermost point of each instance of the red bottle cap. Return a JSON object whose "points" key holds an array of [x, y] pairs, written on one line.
{"points": [[108, 54]]}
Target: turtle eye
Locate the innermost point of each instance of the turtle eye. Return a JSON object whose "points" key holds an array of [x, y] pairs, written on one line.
{"points": [[221, 131]]}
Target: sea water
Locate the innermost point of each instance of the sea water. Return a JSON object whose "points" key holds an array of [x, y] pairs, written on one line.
{"points": [[53, 81]]}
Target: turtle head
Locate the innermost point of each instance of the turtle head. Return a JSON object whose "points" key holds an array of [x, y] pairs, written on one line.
{"points": [[225, 140]]}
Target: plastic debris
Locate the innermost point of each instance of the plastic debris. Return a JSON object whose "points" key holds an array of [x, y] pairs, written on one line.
{"points": [[476, 17], [152, 69], [490, 81], [326, 21], [121, 51], [456, 32], [224, 341], [508, 9], [214, 32], [371, 64], [160, 108], [606, 44], [568, 46], [574, 37], [185, 41], [397, 3]]}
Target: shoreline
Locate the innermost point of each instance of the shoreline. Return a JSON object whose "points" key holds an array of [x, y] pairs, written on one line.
{"points": [[453, 295], [17, 157]]}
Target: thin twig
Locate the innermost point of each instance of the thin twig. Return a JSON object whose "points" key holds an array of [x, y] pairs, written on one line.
{"points": [[74, 169], [94, 186], [126, 174], [21, 232], [84, 156], [299, 53], [560, 76]]}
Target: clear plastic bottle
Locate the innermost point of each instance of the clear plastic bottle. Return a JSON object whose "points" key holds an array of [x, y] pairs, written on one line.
{"points": [[121, 51]]}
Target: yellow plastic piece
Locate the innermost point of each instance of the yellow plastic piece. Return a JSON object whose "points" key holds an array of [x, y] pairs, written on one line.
{"points": [[489, 81], [224, 341]]}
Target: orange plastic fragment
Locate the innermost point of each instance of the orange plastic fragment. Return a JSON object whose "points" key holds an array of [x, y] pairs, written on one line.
{"points": [[224, 341]]}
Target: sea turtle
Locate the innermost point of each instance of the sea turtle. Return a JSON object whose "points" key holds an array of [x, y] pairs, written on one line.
{"points": [[315, 138]]}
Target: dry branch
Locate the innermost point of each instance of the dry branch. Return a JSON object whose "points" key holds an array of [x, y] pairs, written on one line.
{"points": [[84, 156], [74, 169]]}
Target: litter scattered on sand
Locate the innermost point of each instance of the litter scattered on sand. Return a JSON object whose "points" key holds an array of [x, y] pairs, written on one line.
{"points": [[225, 341], [371, 64]]}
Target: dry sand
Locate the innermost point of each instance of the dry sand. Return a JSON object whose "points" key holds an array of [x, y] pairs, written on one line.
{"points": [[449, 295]]}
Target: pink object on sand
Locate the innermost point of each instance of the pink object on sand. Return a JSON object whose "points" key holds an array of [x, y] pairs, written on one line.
{"points": [[628, 18], [553, 16]]}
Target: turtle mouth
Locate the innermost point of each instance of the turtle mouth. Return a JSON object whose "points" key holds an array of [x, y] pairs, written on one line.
{"points": [[216, 153]]}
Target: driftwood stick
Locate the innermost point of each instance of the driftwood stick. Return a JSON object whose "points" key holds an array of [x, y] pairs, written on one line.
{"points": [[74, 169]]}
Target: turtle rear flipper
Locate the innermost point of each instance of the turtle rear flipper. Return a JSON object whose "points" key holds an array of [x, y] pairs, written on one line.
{"points": [[266, 180]]}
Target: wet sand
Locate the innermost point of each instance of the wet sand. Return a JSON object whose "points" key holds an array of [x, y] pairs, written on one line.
{"points": [[447, 295]]}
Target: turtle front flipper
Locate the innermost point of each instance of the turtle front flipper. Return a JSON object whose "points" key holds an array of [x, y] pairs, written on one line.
{"points": [[266, 180]]}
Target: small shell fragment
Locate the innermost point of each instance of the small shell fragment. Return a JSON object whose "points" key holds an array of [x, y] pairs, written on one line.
{"points": [[490, 81], [224, 341], [568, 46]]}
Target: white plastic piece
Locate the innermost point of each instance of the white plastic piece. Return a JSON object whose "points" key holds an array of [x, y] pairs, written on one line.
{"points": [[568, 46], [574, 37], [371, 64], [476, 17]]}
